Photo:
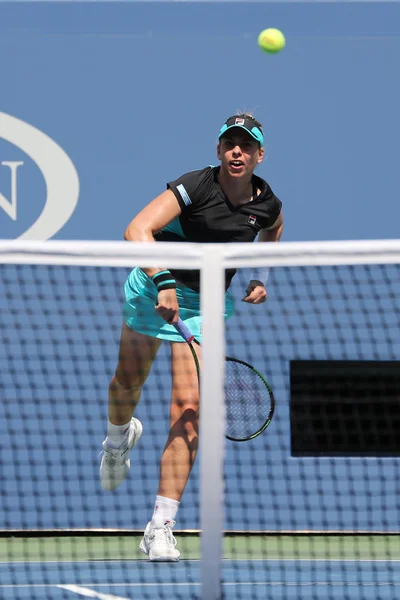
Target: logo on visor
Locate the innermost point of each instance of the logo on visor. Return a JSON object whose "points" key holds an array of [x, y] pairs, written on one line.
{"points": [[239, 121]]}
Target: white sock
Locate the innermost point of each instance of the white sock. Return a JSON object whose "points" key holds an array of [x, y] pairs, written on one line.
{"points": [[117, 434], [165, 511]]}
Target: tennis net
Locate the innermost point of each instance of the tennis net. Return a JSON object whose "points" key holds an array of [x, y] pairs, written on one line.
{"points": [[308, 509]]}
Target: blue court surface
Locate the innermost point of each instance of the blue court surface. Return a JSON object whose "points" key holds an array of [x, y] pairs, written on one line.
{"points": [[275, 579]]}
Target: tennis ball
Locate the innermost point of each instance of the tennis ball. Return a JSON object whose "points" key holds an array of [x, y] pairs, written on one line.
{"points": [[271, 40]]}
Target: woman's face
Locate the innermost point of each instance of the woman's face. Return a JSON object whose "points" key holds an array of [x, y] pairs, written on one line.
{"points": [[239, 152]]}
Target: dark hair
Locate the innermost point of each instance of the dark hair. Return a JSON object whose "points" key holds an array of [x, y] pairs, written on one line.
{"points": [[248, 116]]}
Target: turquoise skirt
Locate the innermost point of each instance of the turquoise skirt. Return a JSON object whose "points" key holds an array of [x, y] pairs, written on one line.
{"points": [[140, 315]]}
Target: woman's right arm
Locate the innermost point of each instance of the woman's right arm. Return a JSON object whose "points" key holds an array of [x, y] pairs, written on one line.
{"points": [[151, 219], [156, 215]]}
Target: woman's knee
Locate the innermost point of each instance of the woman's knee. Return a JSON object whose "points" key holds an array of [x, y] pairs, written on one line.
{"points": [[185, 422], [136, 355], [125, 383]]}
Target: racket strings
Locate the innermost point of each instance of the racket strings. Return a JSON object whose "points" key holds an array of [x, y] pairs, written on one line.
{"points": [[247, 400]]}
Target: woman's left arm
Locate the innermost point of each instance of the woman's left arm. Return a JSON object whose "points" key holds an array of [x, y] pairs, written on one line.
{"points": [[256, 292], [272, 234]]}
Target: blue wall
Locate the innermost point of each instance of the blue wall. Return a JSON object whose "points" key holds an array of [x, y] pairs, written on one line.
{"points": [[133, 95], [136, 93]]}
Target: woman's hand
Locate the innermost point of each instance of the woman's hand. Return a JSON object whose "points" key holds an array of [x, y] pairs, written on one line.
{"points": [[167, 306], [255, 293]]}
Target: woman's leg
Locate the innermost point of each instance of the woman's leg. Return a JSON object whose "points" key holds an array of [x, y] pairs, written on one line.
{"points": [[136, 355], [182, 443], [178, 457]]}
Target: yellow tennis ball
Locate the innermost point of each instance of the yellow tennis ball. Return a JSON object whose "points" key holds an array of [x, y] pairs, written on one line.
{"points": [[271, 40]]}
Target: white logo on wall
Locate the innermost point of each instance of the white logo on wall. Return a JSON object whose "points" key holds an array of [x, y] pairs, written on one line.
{"points": [[59, 173]]}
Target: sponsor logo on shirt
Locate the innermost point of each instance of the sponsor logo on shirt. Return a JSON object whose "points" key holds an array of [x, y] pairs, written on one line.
{"points": [[185, 196], [252, 220]]}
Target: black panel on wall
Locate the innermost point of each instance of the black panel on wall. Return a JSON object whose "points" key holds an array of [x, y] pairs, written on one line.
{"points": [[345, 408]]}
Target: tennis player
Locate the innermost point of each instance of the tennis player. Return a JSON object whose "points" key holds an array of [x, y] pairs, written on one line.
{"points": [[227, 203]]}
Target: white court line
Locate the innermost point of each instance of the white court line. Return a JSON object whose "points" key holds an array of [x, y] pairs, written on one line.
{"points": [[98, 595], [84, 591], [51, 585]]}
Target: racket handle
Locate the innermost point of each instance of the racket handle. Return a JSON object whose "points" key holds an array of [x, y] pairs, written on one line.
{"points": [[184, 331]]}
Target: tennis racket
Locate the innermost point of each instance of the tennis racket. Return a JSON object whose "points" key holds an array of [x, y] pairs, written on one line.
{"points": [[249, 399]]}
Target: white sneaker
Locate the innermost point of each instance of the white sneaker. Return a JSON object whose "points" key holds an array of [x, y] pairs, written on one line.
{"points": [[115, 463], [159, 543]]}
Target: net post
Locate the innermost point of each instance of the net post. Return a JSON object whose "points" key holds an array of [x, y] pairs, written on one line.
{"points": [[212, 421]]}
